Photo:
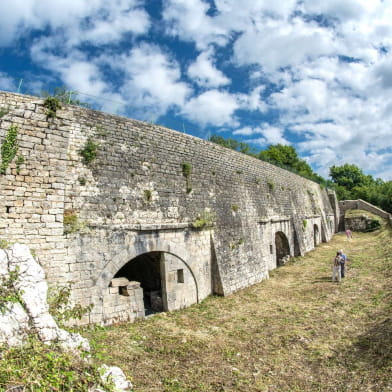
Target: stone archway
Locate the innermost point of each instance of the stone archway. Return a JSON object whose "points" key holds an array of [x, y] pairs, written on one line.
{"points": [[165, 281], [282, 248], [146, 270], [316, 235]]}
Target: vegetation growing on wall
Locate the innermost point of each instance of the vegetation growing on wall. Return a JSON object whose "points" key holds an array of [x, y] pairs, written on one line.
{"points": [[3, 112], [60, 308], [52, 104], [89, 151], [204, 219], [72, 223], [186, 172], [9, 148], [147, 195], [7, 292]]}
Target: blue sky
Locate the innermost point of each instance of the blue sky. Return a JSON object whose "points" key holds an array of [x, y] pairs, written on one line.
{"points": [[315, 74]]}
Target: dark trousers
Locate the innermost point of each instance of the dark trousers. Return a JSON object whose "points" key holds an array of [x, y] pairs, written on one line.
{"points": [[342, 270]]}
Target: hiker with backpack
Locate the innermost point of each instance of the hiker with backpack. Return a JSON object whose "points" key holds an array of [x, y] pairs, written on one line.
{"points": [[336, 268]]}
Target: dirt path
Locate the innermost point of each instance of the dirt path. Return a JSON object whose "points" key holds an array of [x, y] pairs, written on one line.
{"points": [[297, 331]]}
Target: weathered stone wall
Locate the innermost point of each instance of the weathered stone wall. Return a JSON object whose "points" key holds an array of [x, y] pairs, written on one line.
{"points": [[360, 204], [134, 199]]}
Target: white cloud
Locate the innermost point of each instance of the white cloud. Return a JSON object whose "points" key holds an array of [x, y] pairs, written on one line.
{"points": [[212, 107], [270, 135], [94, 21], [152, 80], [188, 20], [204, 72], [6, 82]]}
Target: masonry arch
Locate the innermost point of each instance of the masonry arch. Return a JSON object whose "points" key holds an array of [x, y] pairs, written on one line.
{"points": [[167, 282], [316, 235], [282, 248], [152, 248]]}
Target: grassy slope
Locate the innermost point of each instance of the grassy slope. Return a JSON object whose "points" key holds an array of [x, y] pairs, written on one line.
{"points": [[297, 331]]}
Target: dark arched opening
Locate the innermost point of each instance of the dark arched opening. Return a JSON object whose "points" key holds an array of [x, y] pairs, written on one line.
{"points": [[147, 270], [316, 235], [282, 248]]}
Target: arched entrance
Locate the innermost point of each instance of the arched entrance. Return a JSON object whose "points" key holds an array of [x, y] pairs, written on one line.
{"points": [[166, 281], [316, 235], [282, 248], [146, 269]]}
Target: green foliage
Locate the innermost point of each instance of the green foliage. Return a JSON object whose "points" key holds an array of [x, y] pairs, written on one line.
{"points": [[9, 148], [60, 308], [271, 185], [350, 183], [82, 181], [304, 224], [65, 96], [186, 169], [52, 104], [7, 290], [38, 367], [4, 244], [3, 112], [89, 151], [233, 144], [186, 172], [72, 223], [235, 207], [204, 219], [19, 161], [147, 195]]}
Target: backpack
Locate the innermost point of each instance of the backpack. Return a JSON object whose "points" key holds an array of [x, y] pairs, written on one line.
{"points": [[337, 261]]}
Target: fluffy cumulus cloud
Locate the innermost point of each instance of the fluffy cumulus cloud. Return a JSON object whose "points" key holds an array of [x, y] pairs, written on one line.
{"points": [[80, 20], [313, 73], [212, 107], [152, 79], [204, 72]]}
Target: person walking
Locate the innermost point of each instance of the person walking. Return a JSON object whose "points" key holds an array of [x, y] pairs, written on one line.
{"points": [[343, 259], [336, 265], [349, 234]]}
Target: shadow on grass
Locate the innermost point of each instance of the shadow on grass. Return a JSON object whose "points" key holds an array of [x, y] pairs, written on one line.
{"points": [[323, 279], [375, 346]]}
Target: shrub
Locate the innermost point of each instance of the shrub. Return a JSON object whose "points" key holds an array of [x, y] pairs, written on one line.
{"points": [[147, 195], [60, 308], [52, 104], [9, 148], [89, 151], [204, 219]]}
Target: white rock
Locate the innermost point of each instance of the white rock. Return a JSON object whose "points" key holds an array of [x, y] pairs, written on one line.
{"points": [[14, 324], [115, 375], [33, 290]]}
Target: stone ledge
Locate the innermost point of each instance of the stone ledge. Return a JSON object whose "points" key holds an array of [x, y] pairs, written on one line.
{"points": [[145, 227]]}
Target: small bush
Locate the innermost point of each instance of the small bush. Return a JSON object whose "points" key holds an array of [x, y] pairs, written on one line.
{"points": [[204, 219], [271, 185], [304, 224], [52, 104], [235, 207], [60, 308], [40, 367], [71, 222], [7, 291], [147, 195], [89, 151], [9, 148], [186, 169]]}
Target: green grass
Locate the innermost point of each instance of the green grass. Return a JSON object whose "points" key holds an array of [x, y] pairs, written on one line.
{"points": [[297, 331]]}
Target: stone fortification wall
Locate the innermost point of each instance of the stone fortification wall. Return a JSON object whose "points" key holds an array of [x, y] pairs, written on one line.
{"points": [[134, 199], [361, 205]]}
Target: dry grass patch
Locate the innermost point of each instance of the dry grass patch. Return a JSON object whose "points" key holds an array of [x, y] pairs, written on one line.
{"points": [[297, 331]]}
